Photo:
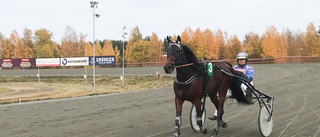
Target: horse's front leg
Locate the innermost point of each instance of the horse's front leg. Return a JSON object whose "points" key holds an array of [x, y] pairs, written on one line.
{"points": [[178, 102], [199, 107]]}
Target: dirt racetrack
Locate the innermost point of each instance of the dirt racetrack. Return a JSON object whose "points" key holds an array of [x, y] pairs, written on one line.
{"points": [[151, 113]]}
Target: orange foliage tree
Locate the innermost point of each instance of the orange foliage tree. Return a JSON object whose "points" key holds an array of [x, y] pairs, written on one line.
{"points": [[252, 45], [273, 43], [8, 48], [312, 41], [234, 46], [69, 43], [199, 44], [186, 36], [109, 51], [156, 48]]}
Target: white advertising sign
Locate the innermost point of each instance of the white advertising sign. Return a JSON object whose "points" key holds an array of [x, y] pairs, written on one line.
{"points": [[47, 62], [77, 61]]}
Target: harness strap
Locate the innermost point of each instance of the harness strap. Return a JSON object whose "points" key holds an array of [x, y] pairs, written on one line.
{"points": [[185, 82]]}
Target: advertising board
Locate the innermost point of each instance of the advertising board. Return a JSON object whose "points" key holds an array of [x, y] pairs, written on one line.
{"points": [[103, 60], [76, 61]]}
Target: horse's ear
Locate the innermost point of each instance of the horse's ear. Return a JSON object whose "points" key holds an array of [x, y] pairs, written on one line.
{"points": [[179, 39], [169, 39]]}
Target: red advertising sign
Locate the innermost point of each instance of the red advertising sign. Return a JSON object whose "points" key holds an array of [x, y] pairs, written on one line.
{"points": [[8, 63]]}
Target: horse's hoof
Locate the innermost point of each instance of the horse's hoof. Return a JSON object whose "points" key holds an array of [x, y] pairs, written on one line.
{"points": [[213, 117], [176, 135], [215, 133], [205, 131], [224, 125]]}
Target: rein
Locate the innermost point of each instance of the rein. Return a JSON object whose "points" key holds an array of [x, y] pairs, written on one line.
{"points": [[184, 65]]}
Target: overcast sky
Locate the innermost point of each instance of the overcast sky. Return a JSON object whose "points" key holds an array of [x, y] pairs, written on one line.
{"points": [[163, 17]]}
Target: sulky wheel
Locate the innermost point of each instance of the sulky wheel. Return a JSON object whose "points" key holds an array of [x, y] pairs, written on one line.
{"points": [[193, 118], [265, 121]]}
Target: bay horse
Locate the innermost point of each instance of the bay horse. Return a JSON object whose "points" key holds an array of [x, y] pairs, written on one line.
{"points": [[192, 83]]}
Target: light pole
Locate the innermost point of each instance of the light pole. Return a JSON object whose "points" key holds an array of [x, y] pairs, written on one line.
{"points": [[85, 55], [299, 54], [123, 36], [94, 5], [38, 75]]}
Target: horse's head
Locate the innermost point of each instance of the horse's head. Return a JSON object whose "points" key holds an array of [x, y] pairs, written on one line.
{"points": [[174, 55]]}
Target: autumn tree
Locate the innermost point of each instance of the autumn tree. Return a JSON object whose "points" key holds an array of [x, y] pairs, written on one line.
{"points": [[138, 52], [9, 47], [199, 44], [299, 44], [2, 42], [69, 43], [273, 43], [118, 46], [117, 54], [88, 49], [212, 46], [156, 48], [19, 49], [28, 45], [98, 49], [23, 46], [82, 44], [220, 42], [290, 39], [43, 40], [107, 49], [312, 41], [234, 46], [134, 36], [46, 51], [186, 36], [252, 45]]}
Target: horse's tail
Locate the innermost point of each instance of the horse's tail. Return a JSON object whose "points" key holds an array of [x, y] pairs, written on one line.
{"points": [[237, 92]]}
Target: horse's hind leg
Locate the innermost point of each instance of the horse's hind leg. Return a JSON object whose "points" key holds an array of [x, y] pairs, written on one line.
{"points": [[214, 100], [198, 105], [222, 98], [220, 105], [178, 102]]}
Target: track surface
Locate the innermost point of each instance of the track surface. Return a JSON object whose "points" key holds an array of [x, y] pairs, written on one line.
{"points": [[151, 113]]}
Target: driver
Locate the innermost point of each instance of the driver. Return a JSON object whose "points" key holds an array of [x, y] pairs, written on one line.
{"points": [[247, 70]]}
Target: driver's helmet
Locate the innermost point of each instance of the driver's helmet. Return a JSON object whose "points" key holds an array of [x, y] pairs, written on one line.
{"points": [[242, 55]]}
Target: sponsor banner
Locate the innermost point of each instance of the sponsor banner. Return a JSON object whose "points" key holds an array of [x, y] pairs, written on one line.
{"points": [[103, 60], [25, 63], [43, 62], [77, 61]]}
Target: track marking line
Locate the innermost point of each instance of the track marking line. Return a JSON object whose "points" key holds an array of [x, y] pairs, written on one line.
{"points": [[305, 102], [315, 135]]}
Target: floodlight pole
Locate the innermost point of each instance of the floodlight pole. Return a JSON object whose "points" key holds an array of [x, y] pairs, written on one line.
{"points": [[94, 5], [38, 75], [85, 55], [123, 36]]}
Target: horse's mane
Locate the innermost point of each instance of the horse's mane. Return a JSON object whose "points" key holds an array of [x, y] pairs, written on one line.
{"points": [[192, 58]]}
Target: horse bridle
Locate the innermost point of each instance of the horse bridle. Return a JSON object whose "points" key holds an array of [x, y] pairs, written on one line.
{"points": [[178, 64]]}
